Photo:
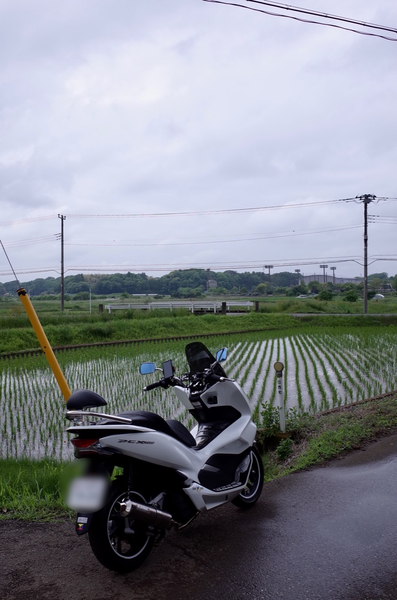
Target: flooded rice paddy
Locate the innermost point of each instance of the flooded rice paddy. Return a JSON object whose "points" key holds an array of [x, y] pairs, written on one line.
{"points": [[322, 370]]}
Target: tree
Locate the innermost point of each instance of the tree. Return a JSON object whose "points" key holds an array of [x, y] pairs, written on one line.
{"points": [[82, 296], [351, 296], [284, 279], [107, 286], [325, 295], [375, 283], [347, 287], [298, 290], [314, 287], [280, 291], [75, 284], [261, 289]]}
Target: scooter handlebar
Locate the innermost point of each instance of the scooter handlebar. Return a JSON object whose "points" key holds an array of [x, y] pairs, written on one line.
{"points": [[214, 378], [164, 383], [152, 386]]}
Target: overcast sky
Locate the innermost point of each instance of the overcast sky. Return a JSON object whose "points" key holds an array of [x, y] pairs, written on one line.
{"points": [[113, 107]]}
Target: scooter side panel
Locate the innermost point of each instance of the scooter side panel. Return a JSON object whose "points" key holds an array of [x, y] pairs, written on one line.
{"points": [[227, 393], [183, 396], [233, 440], [157, 448]]}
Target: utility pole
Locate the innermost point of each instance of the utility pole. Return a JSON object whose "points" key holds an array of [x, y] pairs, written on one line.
{"points": [[269, 267], [366, 199], [333, 269], [63, 218], [323, 267]]}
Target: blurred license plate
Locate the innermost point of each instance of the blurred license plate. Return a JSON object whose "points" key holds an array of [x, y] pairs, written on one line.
{"points": [[87, 494]]}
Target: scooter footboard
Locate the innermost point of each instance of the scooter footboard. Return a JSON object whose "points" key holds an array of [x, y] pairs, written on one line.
{"points": [[221, 479], [204, 499]]}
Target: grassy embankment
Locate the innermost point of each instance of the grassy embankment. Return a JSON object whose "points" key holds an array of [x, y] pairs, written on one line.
{"points": [[17, 334], [31, 490], [69, 329], [315, 439], [337, 305]]}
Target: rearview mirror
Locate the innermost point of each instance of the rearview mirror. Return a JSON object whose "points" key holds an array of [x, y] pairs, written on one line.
{"points": [[147, 367], [221, 355]]}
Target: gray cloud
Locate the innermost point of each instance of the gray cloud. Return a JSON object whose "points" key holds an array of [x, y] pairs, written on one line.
{"points": [[178, 105]]}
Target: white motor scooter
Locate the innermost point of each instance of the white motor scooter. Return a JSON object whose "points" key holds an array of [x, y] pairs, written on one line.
{"points": [[144, 474]]}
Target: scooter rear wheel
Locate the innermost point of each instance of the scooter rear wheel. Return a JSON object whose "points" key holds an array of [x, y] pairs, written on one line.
{"points": [[119, 543], [253, 489]]}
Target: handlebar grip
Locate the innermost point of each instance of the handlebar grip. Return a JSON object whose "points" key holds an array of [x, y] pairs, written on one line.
{"points": [[152, 386], [214, 377]]}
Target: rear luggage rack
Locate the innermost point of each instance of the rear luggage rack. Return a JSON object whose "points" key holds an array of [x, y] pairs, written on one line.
{"points": [[73, 415]]}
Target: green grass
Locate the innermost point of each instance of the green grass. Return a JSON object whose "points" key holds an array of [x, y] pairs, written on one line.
{"points": [[87, 331], [316, 439], [335, 306], [30, 490], [17, 333], [77, 326]]}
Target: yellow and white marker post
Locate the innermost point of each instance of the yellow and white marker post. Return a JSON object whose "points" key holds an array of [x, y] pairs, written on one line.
{"points": [[279, 368], [44, 343], [41, 336]]}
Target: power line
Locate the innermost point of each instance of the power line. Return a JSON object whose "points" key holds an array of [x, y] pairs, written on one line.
{"points": [[207, 242], [189, 213], [381, 219], [219, 265], [27, 220], [33, 270], [317, 13], [310, 21], [33, 241], [209, 212]]}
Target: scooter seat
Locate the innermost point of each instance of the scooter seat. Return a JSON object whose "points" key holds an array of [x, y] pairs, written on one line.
{"points": [[170, 427]]}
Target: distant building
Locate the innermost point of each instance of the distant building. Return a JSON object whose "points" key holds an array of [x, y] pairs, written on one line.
{"points": [[212, 283], [329, 277]]}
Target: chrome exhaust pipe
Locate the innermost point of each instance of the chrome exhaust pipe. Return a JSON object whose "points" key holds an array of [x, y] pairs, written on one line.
{"points": [[147, 514]]}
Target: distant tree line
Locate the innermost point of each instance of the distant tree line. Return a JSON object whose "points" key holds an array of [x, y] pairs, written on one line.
{"points": [[187, 283]]}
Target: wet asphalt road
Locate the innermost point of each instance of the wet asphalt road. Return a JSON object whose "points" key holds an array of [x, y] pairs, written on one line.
{"points": [[328, 533]]}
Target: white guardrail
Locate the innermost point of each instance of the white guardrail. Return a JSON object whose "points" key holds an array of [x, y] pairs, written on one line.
{"points": [[190, 305]]}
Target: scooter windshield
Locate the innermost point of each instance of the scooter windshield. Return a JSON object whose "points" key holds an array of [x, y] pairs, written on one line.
{"points": [[200, 358]]}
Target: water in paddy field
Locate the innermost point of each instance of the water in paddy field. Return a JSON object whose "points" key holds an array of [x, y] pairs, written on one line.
{"points": [[32, 408], [321, 371]]}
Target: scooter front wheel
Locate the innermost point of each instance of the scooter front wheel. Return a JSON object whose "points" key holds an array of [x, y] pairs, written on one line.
{"points": [[120, 543], [253, 488]]}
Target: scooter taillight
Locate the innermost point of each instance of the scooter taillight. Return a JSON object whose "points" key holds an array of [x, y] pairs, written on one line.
{"points": [[83, 443]]}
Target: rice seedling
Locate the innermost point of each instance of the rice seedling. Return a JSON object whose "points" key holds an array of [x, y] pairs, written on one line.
{"points": [[322, 370]]}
